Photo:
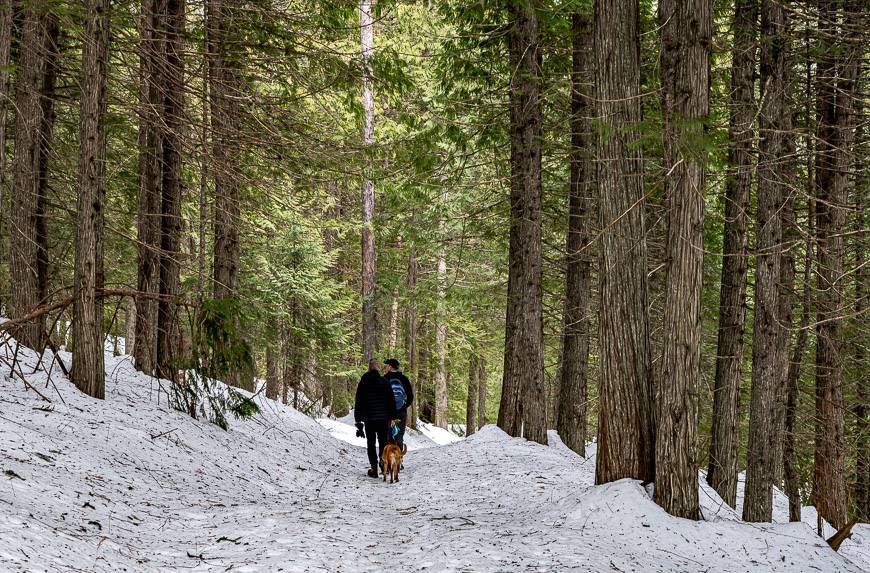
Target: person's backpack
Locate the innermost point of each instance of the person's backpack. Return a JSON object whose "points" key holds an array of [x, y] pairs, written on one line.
{"points": [[398, 392]]}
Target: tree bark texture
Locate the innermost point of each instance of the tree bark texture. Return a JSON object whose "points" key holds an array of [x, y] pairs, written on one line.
{"points": [[471, 398], [293, 354], [129, 325], [26, 200], [626, 427], [838, 70], [481, 392], [767, 335], [224, 65], [50, 52], [725, 438], [5, 101], [424, 374], [441, 387], [150, 143], [205, 174], [411, 332], [862, 383], [523, 408], [790, 471], [224, 90], [88, 369], [785, 314], [394, 320], [370, 324], [168, 333], [687, 29], [273, 372], [571, 415]]}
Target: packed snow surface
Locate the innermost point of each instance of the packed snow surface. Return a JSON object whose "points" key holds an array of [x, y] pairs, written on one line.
{"points": [[128, 484]]}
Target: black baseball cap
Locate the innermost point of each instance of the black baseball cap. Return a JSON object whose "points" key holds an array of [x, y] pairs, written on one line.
{"points": [[392, 362]]}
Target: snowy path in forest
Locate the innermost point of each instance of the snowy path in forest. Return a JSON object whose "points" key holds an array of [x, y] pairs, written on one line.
{"points": [[128, 484]]}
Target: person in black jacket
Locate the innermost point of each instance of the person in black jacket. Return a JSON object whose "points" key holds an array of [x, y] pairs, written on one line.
{"points": [[373, 409], [393, 374]]}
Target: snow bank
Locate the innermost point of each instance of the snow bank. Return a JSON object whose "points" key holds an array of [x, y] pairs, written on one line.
{"points": [[344, 430], [425, 436], [438, 435], [130, 484]]}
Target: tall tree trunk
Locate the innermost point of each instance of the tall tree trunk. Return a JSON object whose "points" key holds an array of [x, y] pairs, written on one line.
{"points": [[5, 99], [309, 375], [786, 299], [50, 52], [168, 334], [626, 427], [129, 326], [424, 376], [150, 150], [88, 369], [370, 325], [224, 88], [287, 362], [471, 398], [26, 208], [725, 438], [293, 354], [273, 369], [687, 30], [523, 408], [225, 93], [862, 382], [411, 331], [790, 472], [394, 319], [205, 158], [838, 70], [481, 391], [792, 384], [571, 420], [767, 335], [441, 388]]}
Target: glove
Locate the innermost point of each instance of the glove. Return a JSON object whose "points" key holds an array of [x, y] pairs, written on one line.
{"points": [[360, 433]]}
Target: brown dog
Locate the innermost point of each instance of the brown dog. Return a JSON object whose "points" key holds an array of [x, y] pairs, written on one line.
{"points": [[392, 458]]}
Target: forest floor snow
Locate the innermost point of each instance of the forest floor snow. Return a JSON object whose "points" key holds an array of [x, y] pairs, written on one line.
{"points": [[129, 484]]}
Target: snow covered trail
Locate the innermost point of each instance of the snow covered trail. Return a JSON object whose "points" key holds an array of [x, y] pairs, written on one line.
{"points": [[128, 484]]}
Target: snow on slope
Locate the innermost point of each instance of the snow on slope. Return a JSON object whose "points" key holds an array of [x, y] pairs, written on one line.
{"points": [[128, 484]]}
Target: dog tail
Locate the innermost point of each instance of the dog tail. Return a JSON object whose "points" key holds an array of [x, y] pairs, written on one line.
{"points": [[404, 449]]}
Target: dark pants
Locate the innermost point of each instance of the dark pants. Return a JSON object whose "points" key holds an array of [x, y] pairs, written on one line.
{"points": [[402, 417], [379, 429]]}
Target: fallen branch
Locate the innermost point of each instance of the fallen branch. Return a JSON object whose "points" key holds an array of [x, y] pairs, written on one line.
{"points": [[36, 313], [44, 309], [842, 535], [161, 434]]}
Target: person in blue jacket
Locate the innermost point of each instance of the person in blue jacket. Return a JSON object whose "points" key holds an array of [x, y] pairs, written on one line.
{"points": [[403, 392]]}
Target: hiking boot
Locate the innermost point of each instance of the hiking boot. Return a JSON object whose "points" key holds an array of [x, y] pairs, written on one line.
{"points": [[373, 473]]}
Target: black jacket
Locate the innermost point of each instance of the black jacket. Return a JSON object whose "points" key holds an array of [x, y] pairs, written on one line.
{"points": [[374, 399], [409, 391]]}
